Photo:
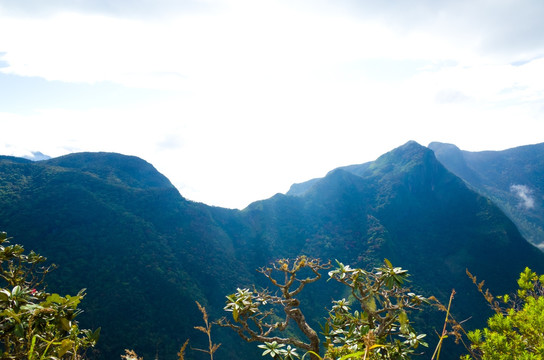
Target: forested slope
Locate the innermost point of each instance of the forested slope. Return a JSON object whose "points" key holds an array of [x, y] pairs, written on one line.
{"points": [[117, 227]]}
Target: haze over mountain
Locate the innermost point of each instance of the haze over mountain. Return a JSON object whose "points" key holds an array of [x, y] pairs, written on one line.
{"points": [[513, 179], [117, 227]]}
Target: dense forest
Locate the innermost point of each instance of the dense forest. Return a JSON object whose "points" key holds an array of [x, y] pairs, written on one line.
{"points": [[113, 225], [513, 179]]}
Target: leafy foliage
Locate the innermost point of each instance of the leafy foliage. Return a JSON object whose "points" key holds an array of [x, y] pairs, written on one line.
{"points": [[277, 351], [116, 225], [35, 324], [516, 329], [253, 323], [381, 330]]}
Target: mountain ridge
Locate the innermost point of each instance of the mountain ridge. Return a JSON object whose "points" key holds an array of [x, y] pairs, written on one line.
{"points": [[145, 253], [512, 178]]}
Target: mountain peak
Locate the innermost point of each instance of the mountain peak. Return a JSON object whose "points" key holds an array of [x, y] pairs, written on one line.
{"points": [[411, 147], [37, 156], [411, 143], [398, 159], [401, 159], [114, 168], [104, 219]]}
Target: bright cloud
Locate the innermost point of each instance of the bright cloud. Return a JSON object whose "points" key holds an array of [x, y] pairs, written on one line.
{"points": [[524, 193]]}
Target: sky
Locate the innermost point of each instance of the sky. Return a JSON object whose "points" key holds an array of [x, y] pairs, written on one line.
{"points": [[235, 100]]}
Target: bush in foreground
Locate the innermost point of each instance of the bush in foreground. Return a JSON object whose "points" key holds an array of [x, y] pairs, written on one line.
{"points": [[516, 330], [379, 330], [35, 324]]}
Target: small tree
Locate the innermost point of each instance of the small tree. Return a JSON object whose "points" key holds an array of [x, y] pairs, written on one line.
{"points": [[516, 330], [35, 324], [253, 323], [380, 330]]}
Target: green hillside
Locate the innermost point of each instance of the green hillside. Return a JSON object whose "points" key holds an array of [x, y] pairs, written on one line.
{"points": [[117, 227], [513, 179]]}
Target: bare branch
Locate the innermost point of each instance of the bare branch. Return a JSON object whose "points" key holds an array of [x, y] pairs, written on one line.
{"points": [[250, 321]]}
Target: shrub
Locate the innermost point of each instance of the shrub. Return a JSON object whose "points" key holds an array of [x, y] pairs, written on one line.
{"points": [[380, 330], [516, 330], [35, 324]]}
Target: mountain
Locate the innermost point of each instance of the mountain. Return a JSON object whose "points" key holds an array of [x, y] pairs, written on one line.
{"points": [[117, 227], [37, 156], [512, 178], [425, 217]]}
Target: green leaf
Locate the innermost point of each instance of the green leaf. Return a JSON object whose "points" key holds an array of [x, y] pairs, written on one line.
{"points": [[73, 301], [388, 263], [403, 319], [32, 345], [353, 355], [4, 295], [54, 298], [9, 312], [95, 335], [16, 291], [65, 324], [65, 346]]}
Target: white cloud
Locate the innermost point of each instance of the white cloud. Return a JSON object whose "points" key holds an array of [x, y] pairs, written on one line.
{"points": [[264, 94], [504, 31], [244, 43], [524, 193]]}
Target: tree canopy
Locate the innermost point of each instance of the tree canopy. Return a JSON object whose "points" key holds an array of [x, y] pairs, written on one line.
{"points": [[381, 329]]}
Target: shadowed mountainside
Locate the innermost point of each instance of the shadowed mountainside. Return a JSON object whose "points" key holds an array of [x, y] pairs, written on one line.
{"points": [[117, 227], [513, 179]]}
